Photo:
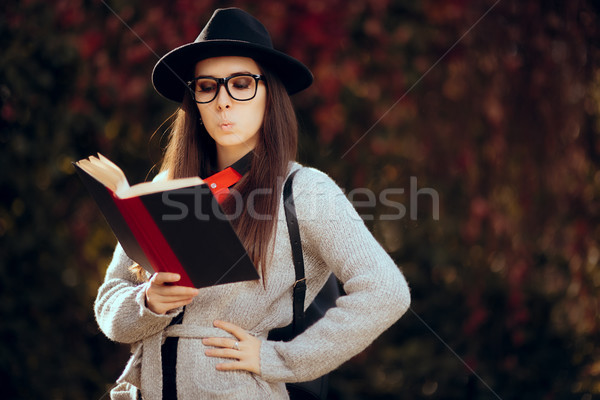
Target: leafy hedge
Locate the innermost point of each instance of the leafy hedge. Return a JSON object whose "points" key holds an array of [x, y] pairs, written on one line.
{"points": [[493, 106]]}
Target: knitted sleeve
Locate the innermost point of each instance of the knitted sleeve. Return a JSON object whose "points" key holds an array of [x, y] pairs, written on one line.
{"points": [[377, 294], [120, 306]]}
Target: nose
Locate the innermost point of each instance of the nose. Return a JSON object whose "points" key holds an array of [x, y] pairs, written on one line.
{"points": [[223, 100]]}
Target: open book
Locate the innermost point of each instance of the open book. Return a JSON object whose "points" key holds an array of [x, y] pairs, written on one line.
{"points": [[169, 226]]}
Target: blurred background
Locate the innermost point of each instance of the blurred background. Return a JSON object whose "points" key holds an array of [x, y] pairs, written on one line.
{"points": [[492, 105]]}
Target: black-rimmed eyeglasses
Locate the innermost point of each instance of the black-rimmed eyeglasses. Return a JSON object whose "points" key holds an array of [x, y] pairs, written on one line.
{"points": [[241, 87]]}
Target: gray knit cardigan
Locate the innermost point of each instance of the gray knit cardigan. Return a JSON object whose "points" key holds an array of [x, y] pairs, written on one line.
{"points": [[334, 239]]}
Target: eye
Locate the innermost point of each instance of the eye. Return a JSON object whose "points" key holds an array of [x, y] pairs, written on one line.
{"points": [[205, 85], [242, 82]]}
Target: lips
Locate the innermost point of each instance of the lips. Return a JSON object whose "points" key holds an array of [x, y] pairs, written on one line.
{"points": [[226, 125]]}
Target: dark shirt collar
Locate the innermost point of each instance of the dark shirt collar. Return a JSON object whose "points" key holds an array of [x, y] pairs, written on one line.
{"points": [[241, 166]]}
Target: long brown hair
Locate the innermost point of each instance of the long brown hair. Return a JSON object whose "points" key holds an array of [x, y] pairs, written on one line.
{"points": [[191, 152]]}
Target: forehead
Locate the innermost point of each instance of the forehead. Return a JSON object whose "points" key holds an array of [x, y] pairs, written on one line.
{"points": [[220, 67]]}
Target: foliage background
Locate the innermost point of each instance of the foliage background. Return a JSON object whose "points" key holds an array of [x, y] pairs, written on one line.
{"points": [[500, 116]]}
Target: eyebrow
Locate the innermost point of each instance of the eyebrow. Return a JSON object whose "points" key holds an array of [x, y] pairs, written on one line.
{"points": [[235, 73]]}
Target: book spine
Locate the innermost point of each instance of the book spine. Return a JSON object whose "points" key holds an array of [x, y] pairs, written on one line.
{"points": [[150, 238]]}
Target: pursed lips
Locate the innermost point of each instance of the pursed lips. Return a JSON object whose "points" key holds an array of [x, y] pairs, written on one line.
{"points": [[226, 125]]}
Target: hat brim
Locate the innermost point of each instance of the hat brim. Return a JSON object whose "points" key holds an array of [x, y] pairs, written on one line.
{"points": [[173, 70]]}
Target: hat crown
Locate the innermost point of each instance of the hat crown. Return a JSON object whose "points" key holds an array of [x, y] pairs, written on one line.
{"points": [[235, 24]]}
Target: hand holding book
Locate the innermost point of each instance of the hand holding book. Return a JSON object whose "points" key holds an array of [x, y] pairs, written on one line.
{"points": [[162, 296]]}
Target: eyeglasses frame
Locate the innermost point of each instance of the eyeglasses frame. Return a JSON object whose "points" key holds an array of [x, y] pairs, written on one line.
{"points": [[223, 82]]}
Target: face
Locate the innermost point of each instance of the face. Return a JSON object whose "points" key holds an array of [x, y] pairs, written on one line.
{"points": [[233, 124]]}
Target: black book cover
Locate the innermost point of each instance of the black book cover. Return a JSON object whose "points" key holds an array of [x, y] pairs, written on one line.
{"points": [[192, 224], [201, 236]]}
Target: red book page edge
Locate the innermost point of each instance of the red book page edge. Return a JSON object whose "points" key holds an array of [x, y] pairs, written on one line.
{"points": [[150, 238]]}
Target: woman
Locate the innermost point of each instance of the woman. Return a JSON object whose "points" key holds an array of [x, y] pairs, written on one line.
{"points": [[211, 343]]}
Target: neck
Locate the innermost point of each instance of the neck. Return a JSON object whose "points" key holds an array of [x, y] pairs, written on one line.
{"points": [[228, 156]]}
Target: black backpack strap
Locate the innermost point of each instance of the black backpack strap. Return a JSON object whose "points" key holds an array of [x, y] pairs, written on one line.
{"points": [[296, 243]]}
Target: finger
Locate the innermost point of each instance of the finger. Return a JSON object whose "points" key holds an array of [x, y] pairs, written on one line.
{"points": [[162, 309], [171, 302], [233, 366], [223, 353], [175, 291], [235, 330], [238, 366], [219, 342], [165, 277], [174, 303]]}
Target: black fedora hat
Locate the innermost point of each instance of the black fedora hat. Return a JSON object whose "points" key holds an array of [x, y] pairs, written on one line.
{"points": [[229, 32]]}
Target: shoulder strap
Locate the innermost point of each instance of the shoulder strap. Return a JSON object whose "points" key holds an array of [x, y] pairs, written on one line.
{"points": [[296, 243]]}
